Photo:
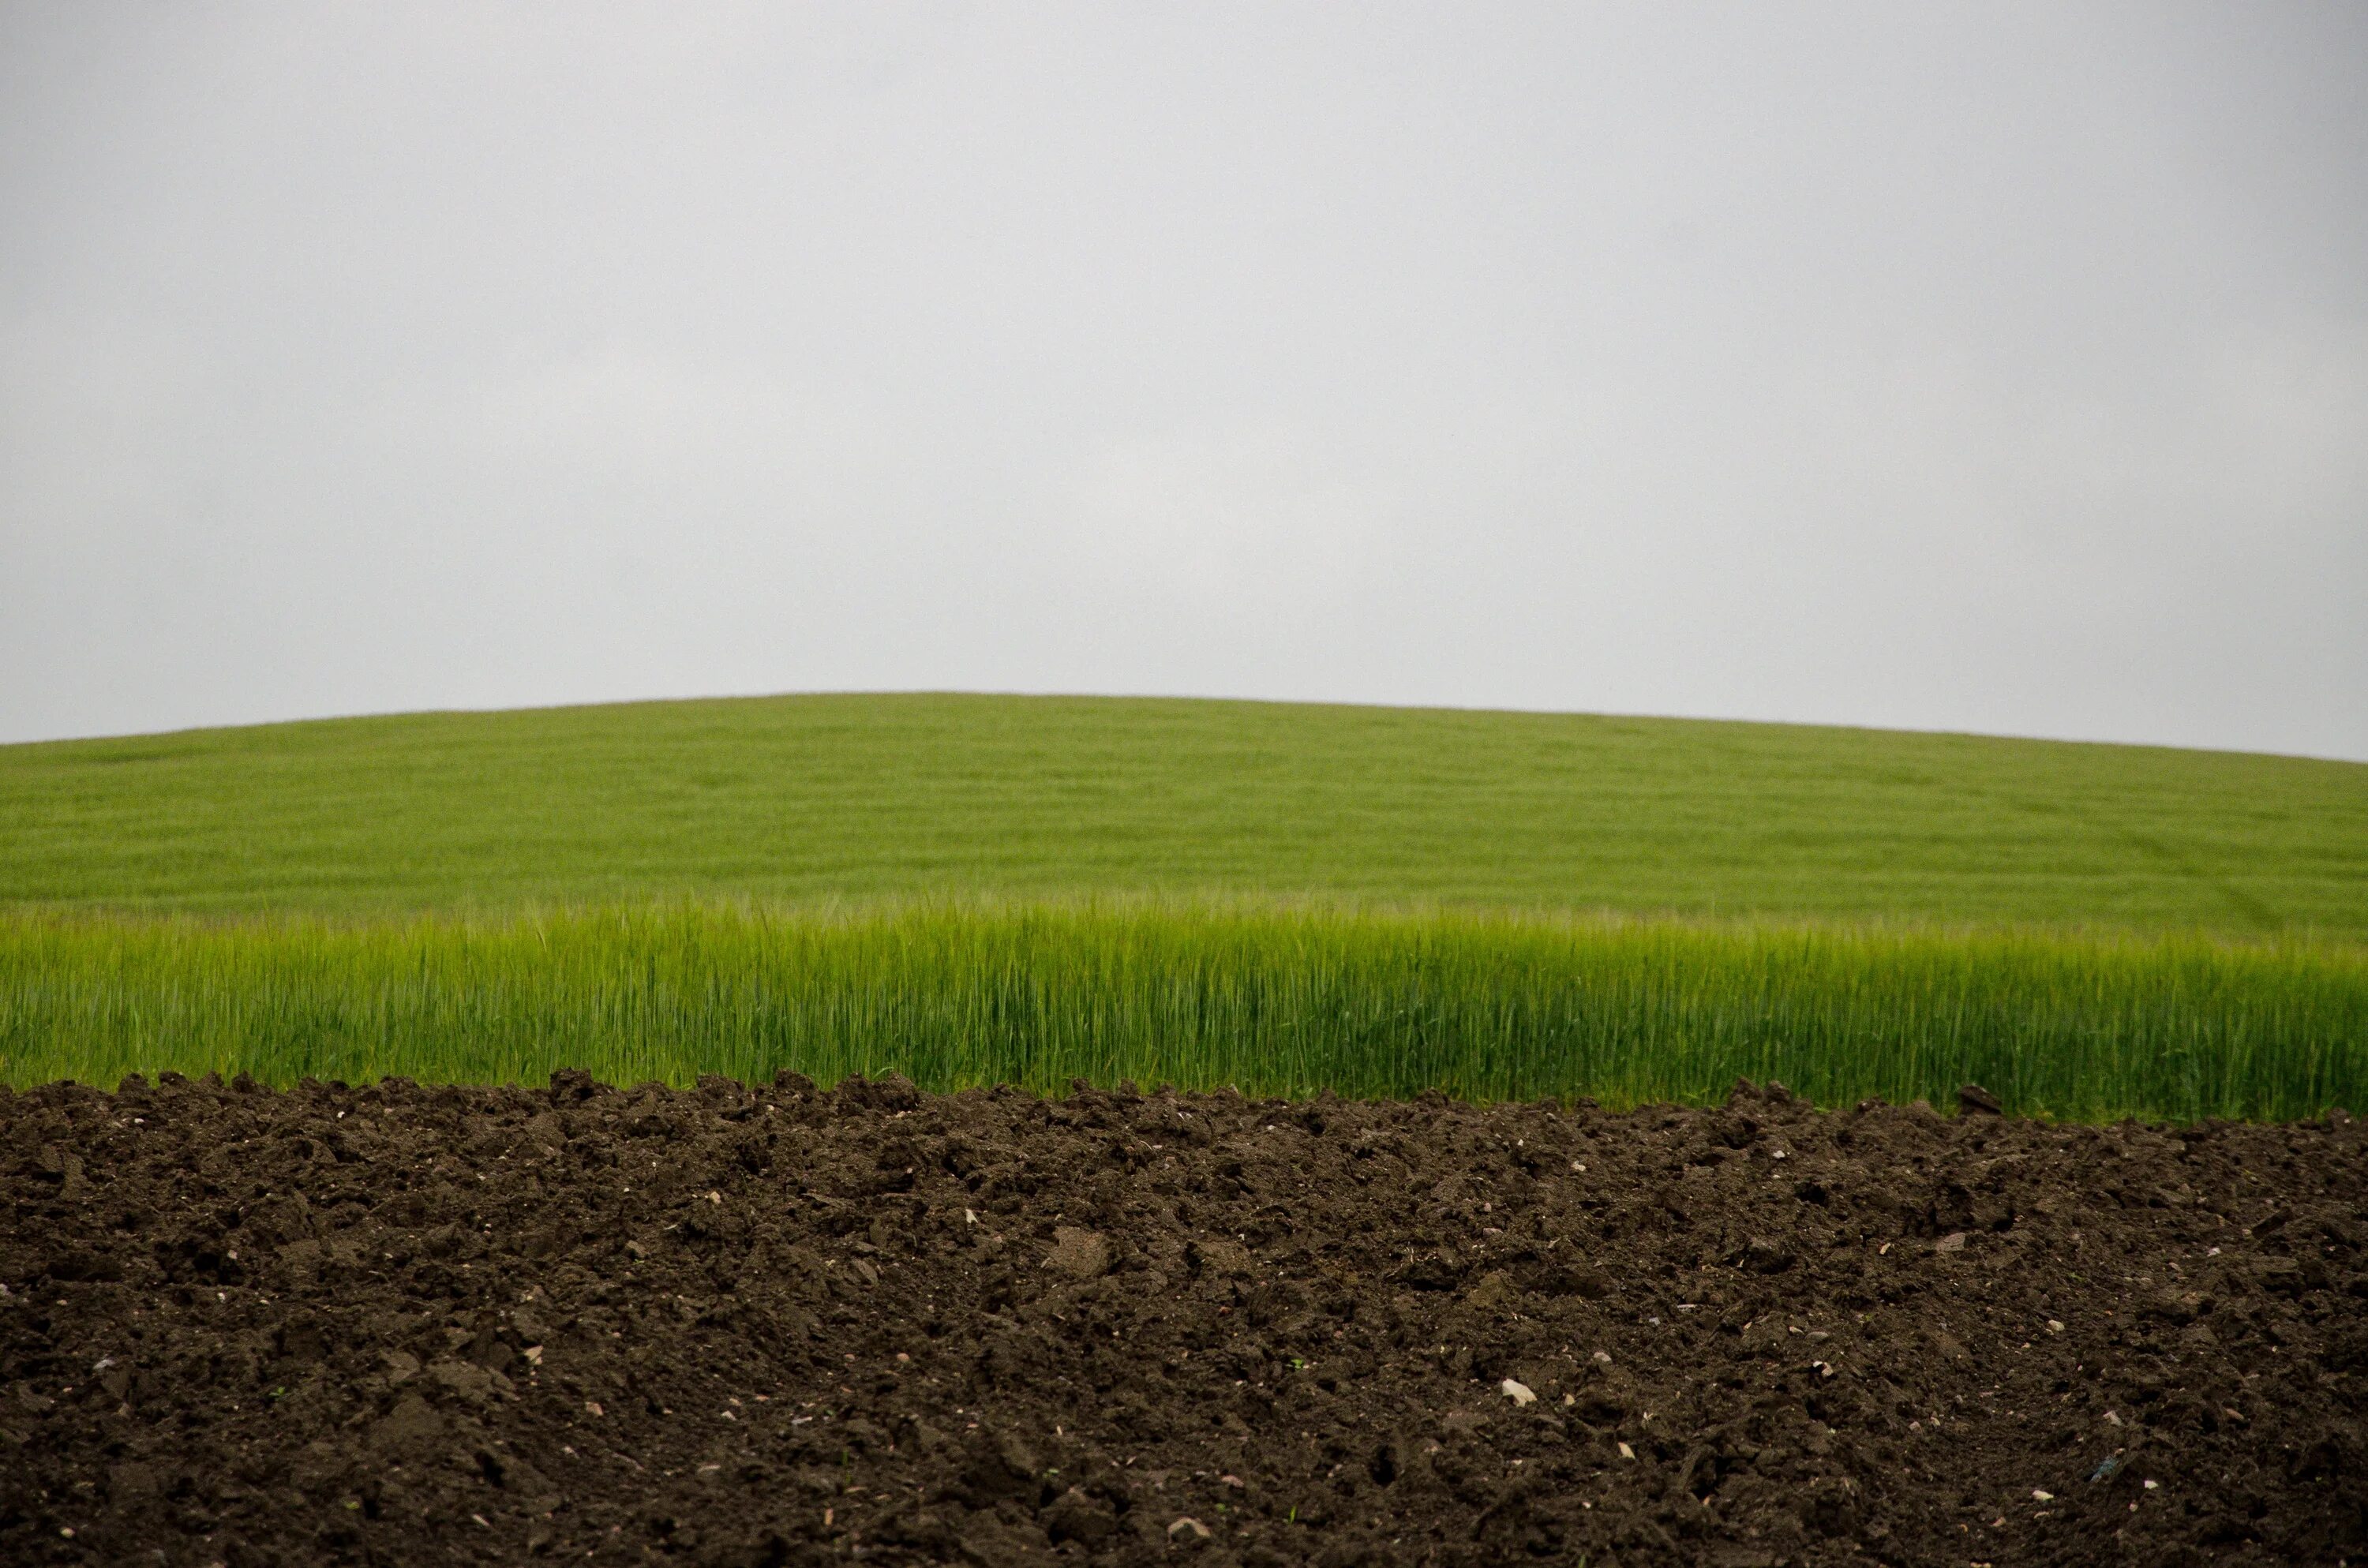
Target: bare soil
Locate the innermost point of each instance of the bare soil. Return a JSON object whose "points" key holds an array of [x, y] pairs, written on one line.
{"points": [[771, 1325]]}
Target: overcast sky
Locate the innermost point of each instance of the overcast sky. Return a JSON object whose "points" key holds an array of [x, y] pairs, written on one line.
{"points": [[1988, 368]]}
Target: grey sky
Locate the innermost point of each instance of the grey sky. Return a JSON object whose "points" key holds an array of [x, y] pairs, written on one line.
{"points": [[1996, 367]]}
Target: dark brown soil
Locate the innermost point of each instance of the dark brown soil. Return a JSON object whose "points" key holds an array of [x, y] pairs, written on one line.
{"points": [[400, 1324]]}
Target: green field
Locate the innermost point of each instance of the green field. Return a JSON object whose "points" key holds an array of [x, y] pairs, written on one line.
{"points": [[855, 797], [1284, 897]]}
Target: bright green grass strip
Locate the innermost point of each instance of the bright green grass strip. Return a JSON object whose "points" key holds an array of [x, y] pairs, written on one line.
{"points": [[1271, 1000], [798, 799]]}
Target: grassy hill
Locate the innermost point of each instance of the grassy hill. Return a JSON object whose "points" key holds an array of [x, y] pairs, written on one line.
{"points": [[864, 797], [1283, 898]]}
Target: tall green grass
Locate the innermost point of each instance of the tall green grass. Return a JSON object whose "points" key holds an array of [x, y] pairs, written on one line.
{"points": [[1271, 999]]}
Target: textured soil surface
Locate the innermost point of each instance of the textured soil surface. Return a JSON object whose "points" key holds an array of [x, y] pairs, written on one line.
{"points": [[404, 1324]]}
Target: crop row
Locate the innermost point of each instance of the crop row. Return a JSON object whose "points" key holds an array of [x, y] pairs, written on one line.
{"points": [[1271, 999]]}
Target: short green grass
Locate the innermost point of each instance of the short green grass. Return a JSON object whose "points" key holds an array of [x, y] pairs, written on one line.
{"points": [[1283, 898], [800, 799], [1270, 1000]]}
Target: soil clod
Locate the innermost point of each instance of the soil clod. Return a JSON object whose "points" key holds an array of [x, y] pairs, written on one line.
{"points": [[1080, 1255]]}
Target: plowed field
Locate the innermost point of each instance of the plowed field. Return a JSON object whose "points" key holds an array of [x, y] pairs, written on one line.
{"points": [[776, 1326]]}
